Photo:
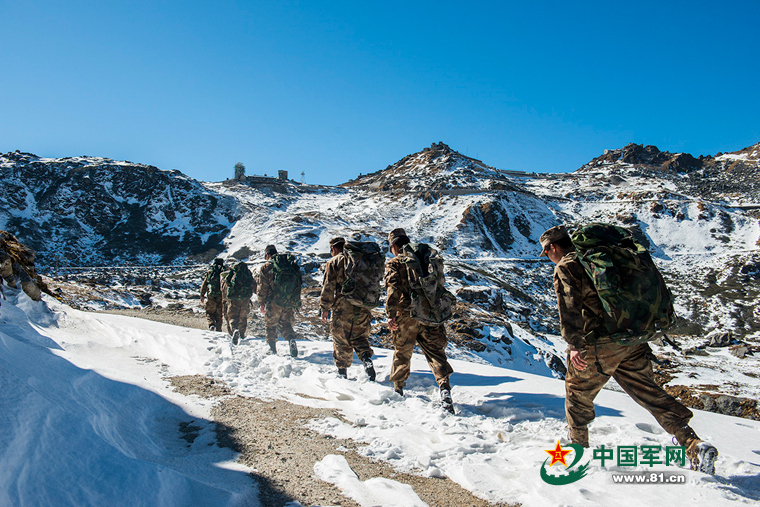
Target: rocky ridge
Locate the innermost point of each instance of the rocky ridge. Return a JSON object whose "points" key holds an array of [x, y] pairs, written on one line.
{"points": [[96, 211]]}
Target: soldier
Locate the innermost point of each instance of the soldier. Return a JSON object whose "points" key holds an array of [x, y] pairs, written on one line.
{"points": [[240, 288], [349, 324], [213, 287], [580, 313], [279, 294], [407, 331]]}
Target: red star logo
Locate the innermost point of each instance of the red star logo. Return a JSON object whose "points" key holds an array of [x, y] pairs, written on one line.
{"points": [[558, 455]]}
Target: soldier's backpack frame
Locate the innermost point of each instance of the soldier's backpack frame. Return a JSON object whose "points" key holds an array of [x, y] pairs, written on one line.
{"points": [[638, 306], [365, 266], [432, 303]]}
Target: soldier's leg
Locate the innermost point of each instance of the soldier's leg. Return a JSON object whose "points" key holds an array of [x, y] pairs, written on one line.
{"points": [[403, 339], [233, 311], [636, 376], [581, 388], [228, 315], [432, 340], [286, 320], [210, 308], [340, 328], [244, 308], [271, 317], [359, 335], [217, 313]]}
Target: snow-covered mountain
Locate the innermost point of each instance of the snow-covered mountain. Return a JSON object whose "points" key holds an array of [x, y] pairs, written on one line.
{"points": [[698, 216], [96, 211]]}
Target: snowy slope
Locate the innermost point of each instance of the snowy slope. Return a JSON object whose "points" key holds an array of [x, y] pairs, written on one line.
{"points": [[88, 420]]}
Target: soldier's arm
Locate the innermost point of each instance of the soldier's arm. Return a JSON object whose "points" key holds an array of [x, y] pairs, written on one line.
{"points": [[264, 289], [570, 303], [393, 286], [329, 286], [204, 287]]}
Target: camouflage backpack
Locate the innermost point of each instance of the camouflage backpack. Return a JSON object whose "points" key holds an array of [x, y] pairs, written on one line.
{"points": [[365, 266], [240, 284], [636, 301], [431, 303], [213, 281], [287, 281]]}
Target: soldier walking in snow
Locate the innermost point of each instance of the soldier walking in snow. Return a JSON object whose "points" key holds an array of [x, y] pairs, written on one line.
{"points": [[417, 306], [240, 287], [279, 294], [584, 328], [350, 323], [212, 286]]}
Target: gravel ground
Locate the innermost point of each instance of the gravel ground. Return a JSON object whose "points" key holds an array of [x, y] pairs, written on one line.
{"points": [[271, 438]]}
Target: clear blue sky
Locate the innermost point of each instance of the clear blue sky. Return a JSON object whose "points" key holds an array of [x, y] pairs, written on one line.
{"points": [[337, 88]]}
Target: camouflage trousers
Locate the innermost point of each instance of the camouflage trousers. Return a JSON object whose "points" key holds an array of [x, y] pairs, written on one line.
{"points": [[631, 367], [431, 339], [349, 327], [214, 310], [277, 316], [237, 315]]}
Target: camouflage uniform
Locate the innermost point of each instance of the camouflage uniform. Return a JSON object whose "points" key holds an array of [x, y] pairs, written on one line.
{"points": [[275, 315], [431, 339], [237, 307], [580, 311], [349, 324], [214, 305]]}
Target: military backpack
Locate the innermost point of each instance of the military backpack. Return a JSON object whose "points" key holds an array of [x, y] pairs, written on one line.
{"points": [[240, 284], [213, 281], [637, 303], [432, 303], [365, 266], [287, 281]]}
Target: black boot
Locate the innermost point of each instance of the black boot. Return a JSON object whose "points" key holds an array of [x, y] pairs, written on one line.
{"points": [[446, 402], [235, 337], [369, 368], [273, 348], [342, 373], [293, 348]]}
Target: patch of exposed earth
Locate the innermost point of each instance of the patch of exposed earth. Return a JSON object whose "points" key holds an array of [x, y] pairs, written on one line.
{"points": [[273, 440]]}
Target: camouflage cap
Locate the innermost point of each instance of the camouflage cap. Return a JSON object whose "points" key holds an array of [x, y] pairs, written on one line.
{"points": [[270, 250], [396, 235], [552, 235], [337, 242], [219, 261]]}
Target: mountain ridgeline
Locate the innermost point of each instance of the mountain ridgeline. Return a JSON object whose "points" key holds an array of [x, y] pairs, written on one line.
{"points": [[698, 216]]}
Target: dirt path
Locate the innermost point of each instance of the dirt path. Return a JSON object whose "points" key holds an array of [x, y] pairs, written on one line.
{"points": [[271, 438]]}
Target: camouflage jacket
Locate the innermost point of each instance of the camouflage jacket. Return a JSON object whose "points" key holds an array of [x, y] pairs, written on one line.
{"points": [[397, 285], [580, 310], [335, 275], [265, 284]]}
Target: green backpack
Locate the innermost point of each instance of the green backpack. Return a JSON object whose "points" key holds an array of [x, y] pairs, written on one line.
{"points": [[431, 303], [365, 266], [287, 281], [213, 281], [636, 301], [240, 284]]}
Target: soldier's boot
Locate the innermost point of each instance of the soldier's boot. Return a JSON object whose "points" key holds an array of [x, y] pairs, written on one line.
{"points": [[446, 402], [212, 327], [342, 372], [235, 337], [273, 348], [578, 435], [701, 455], [293, 348], [369, 367], [399, 388]]}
